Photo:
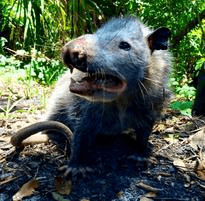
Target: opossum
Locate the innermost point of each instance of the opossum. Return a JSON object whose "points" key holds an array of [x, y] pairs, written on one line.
{"points": [[117, 79]]}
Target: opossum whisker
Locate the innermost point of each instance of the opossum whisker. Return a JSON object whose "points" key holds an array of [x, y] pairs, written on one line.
{"points": [[157, 83], [144, 87], [150, 99], [143, 97]]}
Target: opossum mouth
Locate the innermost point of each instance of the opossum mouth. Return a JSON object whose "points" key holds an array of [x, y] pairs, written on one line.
{"points": [[98, 82]]}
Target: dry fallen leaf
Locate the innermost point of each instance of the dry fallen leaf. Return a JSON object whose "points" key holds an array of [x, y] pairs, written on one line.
{"points": [[160, 128], [5, 139], [36, 139], [148, 187], [198, 139], [26, 190], [145, 199], [170, 130], [179, 164], [148, 196], [200, 166], [2, 123]]}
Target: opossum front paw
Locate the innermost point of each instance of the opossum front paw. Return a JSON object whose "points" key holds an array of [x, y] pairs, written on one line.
{"points": [[75, 172]]}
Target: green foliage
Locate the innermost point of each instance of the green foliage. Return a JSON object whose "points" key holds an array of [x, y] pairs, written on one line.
{"points": [[33, 24], [3, 42], [190, 50], [190, 55], [10, 62], [44, 71], [184, 91], [184, 107], [46, 25]]}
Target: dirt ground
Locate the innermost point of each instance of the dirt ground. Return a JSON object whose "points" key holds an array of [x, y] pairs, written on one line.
{"points": [[172, 169]]}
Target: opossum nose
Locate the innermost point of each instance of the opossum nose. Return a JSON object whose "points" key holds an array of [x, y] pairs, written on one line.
{"points": [[78, 52], [75, 58]]}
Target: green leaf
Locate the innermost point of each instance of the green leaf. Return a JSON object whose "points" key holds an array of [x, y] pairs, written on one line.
{"points": [[199, 63], [184, 107]]}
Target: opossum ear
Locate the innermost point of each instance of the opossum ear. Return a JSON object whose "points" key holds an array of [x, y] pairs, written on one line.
{"points": [[158, 40]]}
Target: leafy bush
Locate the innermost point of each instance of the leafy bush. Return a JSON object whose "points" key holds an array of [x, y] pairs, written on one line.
{"points": [[35, 65], [44, 71], [31, 24], [184, 107], [189, 56], [47, 25], [3, 42], [182, 91]]}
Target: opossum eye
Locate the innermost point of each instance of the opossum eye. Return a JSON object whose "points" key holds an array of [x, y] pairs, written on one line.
{"points": [[125, 46]]}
